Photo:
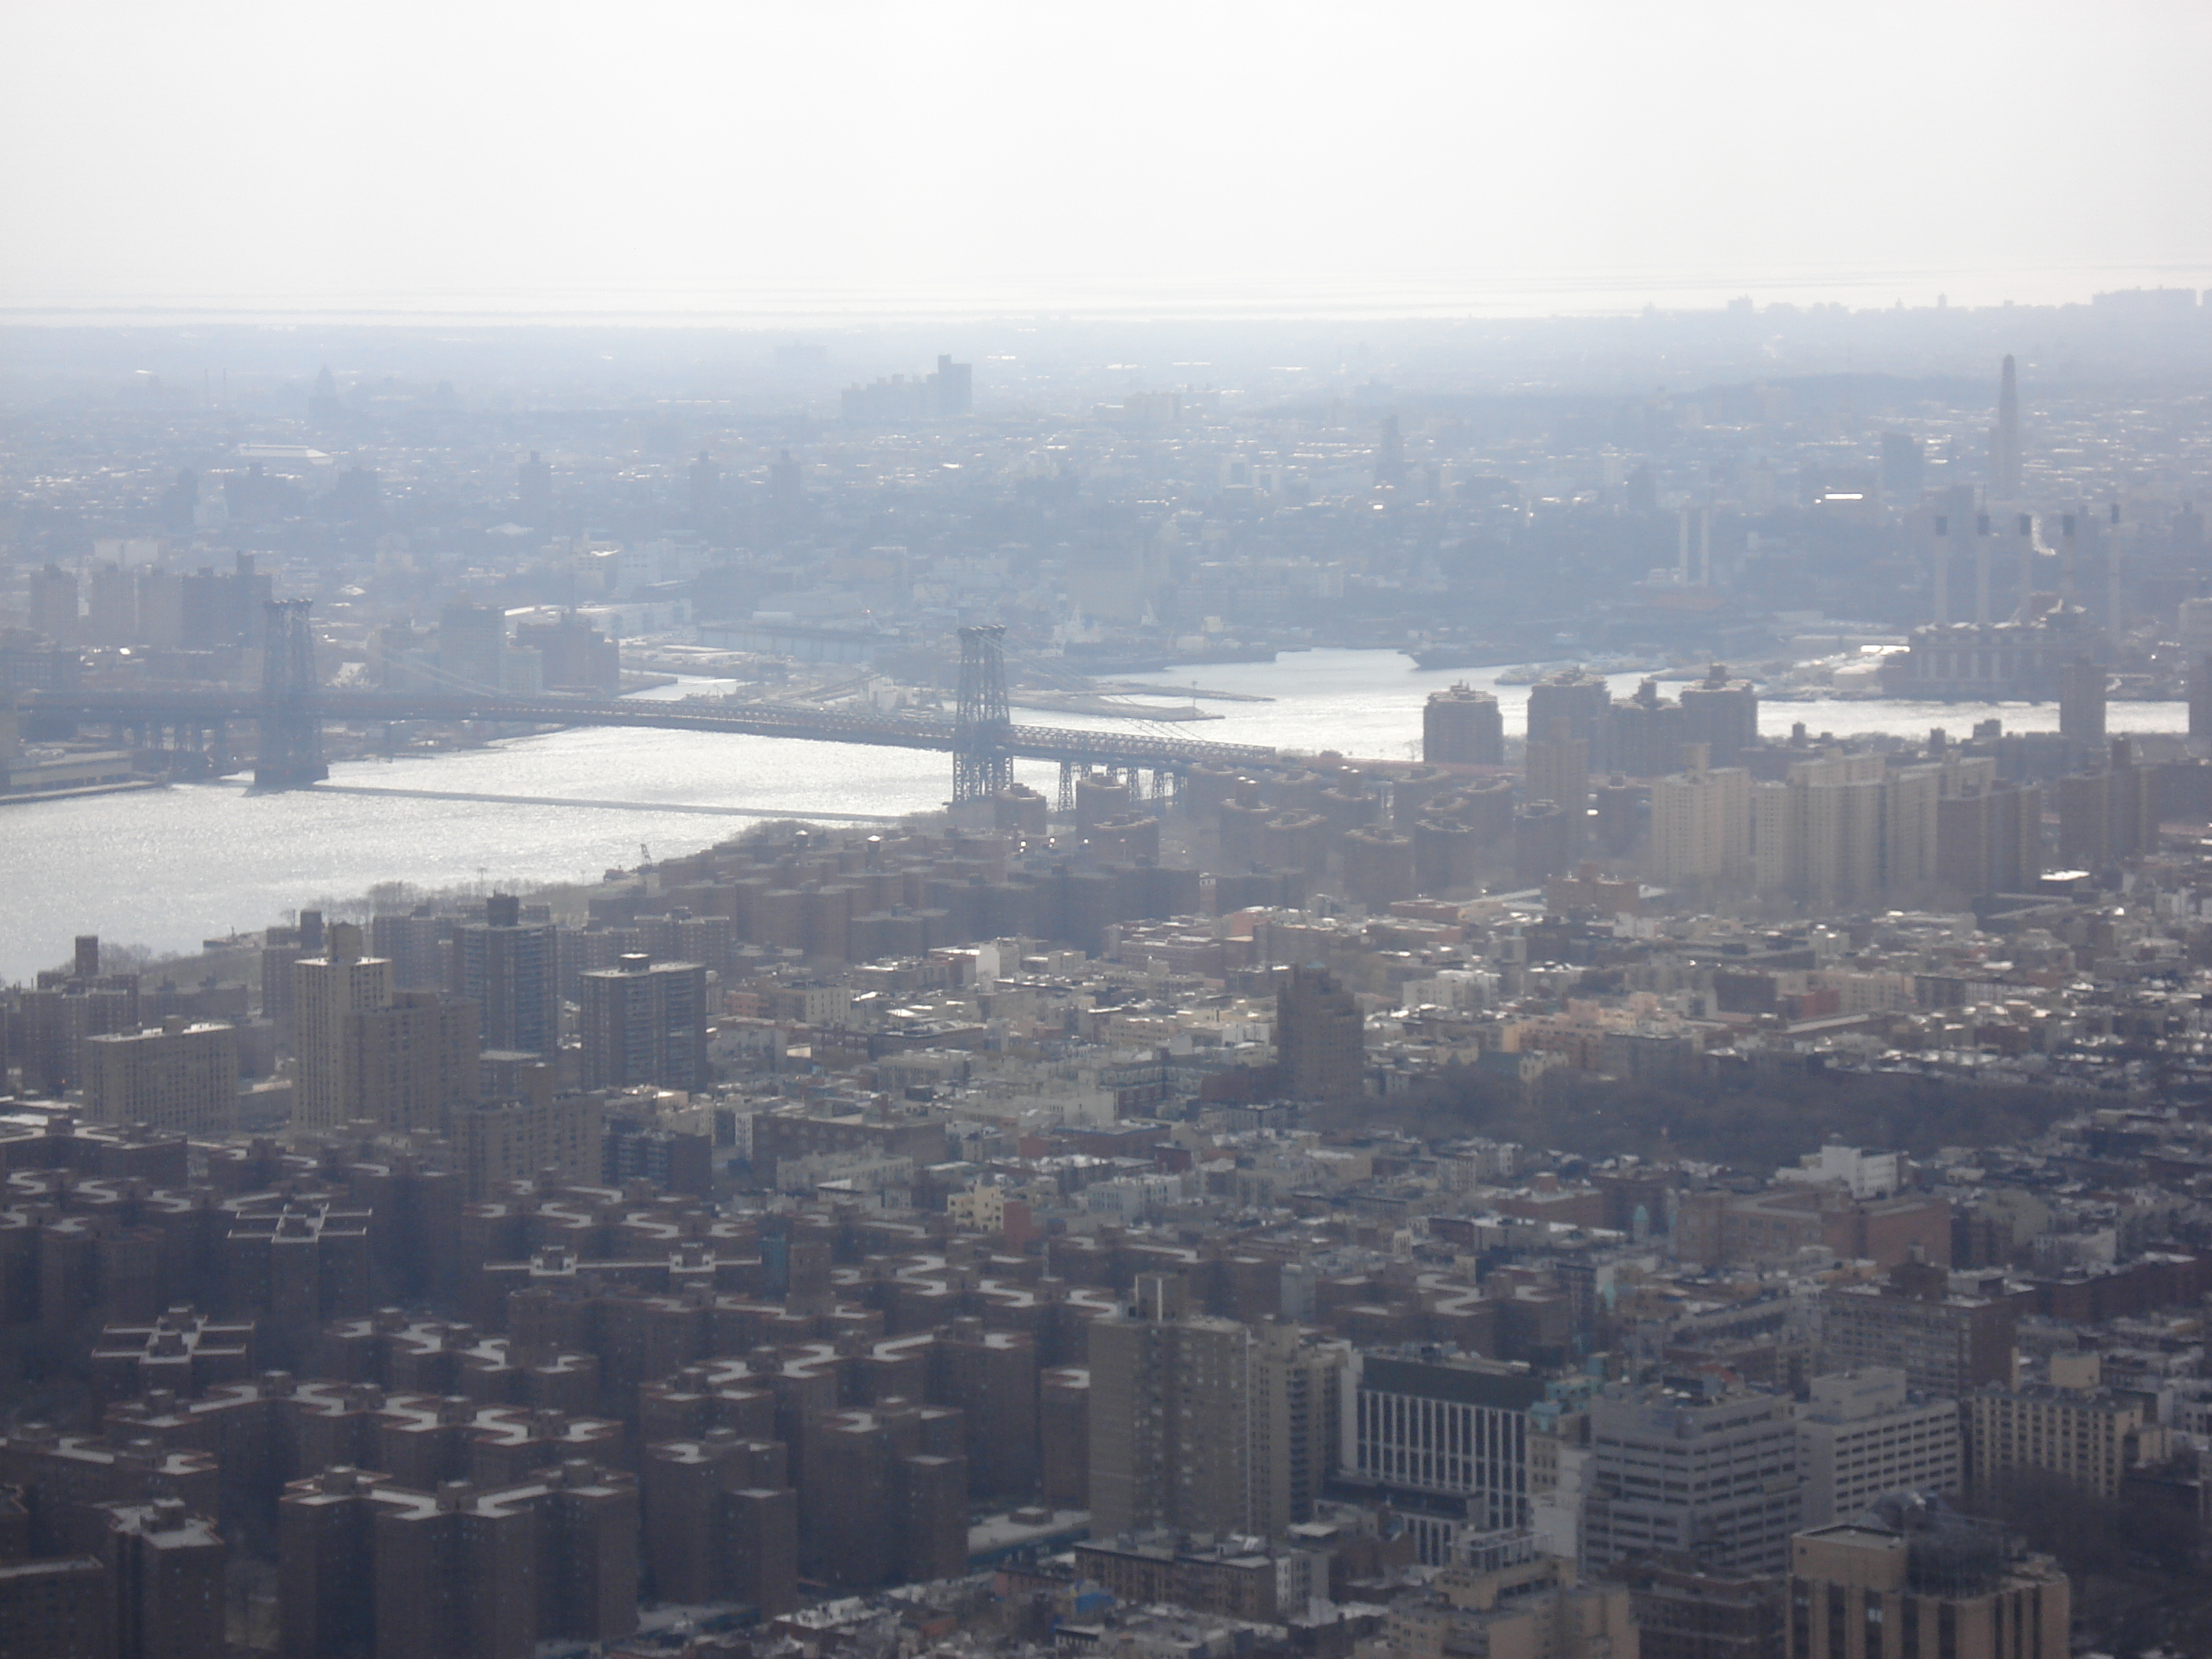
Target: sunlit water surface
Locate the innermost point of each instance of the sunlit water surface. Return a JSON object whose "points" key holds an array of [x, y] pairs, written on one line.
{"points": [[168, 868]]}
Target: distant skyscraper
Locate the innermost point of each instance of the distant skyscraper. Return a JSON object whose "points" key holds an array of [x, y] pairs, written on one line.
{"points": [[409, 943], [1904, 467], [165, 1572], [179, 502], [507, 969], [1701, 825], [1462, 727], [1320, 1040], [1693, 548], [1579, 698], [2108, 814], [2082, 701], [1293, 1411], [215, 610], [1558, 772], [472, 641], [1723, 714], [1543, 845], [1989, 838], [534, 493], [2005, 437], [1643, 736], [111, 611], [706, 480], [1845, 828], [1390, 454], [324, 408], [410, 1063], [645, 1021], [897, 400], [324, 990], [2085, 831], [1169, 1430], [52, 592], [576, 656], [955, 386], [786, 508]]}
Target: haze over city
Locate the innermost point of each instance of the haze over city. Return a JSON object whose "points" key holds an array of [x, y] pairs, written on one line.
{"points": [[985, 832], [1300, 159]]}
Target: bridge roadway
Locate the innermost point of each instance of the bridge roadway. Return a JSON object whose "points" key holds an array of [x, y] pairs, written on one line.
{"points": [[187, 706]]}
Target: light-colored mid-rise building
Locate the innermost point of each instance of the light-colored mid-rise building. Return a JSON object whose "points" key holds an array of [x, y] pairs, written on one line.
{"points": [[1818, 834], [1862, 1436], [1909, 795], [519, 1139], [1844, 826], [1701, 825], [2070, 1427], [178, 1076], [1687, 1472], [410, 1063], [325, 989]]}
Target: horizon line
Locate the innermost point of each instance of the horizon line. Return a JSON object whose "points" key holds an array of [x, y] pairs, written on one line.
{"points": [[1519, 301]]}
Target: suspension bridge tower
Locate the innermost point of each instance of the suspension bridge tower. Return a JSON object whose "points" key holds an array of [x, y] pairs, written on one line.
{"points": [[983, 727], [290, 755]]}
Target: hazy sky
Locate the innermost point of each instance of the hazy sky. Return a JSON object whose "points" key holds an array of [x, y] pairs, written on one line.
{"points": [[737, 157]]}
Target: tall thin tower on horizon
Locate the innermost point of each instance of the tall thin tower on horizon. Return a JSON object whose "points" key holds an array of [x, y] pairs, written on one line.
{"points": [[2005, 437]]}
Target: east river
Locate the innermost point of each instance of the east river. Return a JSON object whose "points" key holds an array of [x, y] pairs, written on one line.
{"points": [[168, 868]]}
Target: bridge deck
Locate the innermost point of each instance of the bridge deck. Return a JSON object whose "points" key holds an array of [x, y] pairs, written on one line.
{"points": [[1049, 743]]}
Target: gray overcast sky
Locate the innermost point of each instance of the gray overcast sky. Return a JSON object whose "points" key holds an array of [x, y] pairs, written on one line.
{"points": [[1551, 154]]}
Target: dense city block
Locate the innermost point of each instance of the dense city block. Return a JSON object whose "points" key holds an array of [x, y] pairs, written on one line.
{"points": [[1681, 1124]]}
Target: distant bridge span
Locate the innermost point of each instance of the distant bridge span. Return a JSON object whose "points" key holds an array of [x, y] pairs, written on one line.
{"points": [[198, 707]]}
